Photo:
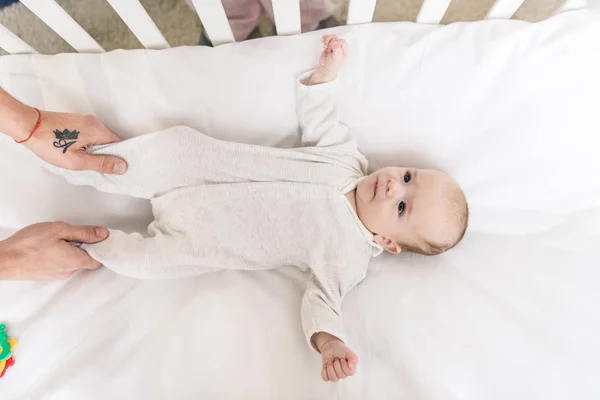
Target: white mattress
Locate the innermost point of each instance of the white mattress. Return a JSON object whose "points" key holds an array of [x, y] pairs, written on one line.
{"points": [[510, 109]]}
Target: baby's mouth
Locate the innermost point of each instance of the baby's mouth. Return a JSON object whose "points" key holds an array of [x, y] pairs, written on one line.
{"points": [[375, 188]]}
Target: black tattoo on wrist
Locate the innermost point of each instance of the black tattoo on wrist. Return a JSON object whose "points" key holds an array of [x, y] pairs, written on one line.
{"points": [[65, 139]]}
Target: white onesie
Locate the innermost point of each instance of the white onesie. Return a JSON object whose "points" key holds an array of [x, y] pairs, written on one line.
{"points": [[222, 205]]}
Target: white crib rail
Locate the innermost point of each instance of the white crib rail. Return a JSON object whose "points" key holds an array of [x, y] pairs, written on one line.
{"points": [[65, 26], [12, 43], [571, 5], [287, 16], [214, 20], [139, 22], [361, 11], [432, 11], [504, 9]]}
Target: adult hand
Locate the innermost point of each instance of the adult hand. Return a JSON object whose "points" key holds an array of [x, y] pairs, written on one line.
{"points": [[62, 140], [43, 252]]}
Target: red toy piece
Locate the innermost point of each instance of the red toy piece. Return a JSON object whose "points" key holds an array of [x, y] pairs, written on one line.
{"points": [[9, 363]]}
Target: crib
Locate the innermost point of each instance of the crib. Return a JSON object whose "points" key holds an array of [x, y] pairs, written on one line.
{"points": [[507, 107], [212, 15]]}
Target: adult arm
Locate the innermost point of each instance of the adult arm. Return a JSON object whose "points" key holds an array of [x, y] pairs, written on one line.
{"points": [[44, 252], [61, 139]]}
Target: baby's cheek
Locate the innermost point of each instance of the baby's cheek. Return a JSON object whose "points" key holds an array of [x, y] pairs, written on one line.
{"points": [[380, 220]]}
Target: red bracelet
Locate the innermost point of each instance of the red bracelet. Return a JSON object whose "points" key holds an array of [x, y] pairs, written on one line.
{"points": [[37, 125]]}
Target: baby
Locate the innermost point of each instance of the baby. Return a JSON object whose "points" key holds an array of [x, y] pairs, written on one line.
{"points": [[221, 205]]}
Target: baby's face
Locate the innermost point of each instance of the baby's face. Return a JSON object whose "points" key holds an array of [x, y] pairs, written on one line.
{"points": [[408, 207]]}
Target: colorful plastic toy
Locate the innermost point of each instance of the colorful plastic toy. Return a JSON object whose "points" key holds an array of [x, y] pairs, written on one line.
{"points": [[6, 348]]}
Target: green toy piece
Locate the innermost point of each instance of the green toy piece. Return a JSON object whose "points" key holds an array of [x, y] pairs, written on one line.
{"points": [[5, 352]]}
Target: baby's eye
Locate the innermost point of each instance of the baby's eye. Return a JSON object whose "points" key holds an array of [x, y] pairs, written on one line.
{"points": [[407, 177], [401, 208]]}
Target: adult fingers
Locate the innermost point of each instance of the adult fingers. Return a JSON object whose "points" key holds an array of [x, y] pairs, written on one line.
{"points": [[101, 163], [347, 370], [76, 259], [100, 134], [86, 262], [82, 234], [66, 275], [337, 366], [331, 373]]}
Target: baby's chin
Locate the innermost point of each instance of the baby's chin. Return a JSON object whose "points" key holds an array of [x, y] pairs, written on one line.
{"points": [[363, 191]]}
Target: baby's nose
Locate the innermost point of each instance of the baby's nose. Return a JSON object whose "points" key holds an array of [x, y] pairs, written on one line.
{"points": [[393, 188]]}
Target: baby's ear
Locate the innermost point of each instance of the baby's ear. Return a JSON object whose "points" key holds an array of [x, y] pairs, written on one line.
{"points": [[390, 245]]}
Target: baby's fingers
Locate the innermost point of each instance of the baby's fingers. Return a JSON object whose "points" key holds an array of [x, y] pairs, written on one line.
{"points": [[337, 366], [331, 373], [352, 360], [324, 374], [344, 47], [326, 40], [339, 48], [346, 368]]}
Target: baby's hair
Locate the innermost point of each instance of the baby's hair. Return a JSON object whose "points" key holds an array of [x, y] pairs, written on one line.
{"points": [[459, 216]]}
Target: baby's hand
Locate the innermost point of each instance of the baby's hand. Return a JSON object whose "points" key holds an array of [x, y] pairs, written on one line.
{"points": [[339, 361], [334, 55]]}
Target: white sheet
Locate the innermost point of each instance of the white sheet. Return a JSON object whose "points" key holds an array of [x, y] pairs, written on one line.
{"points": [[508, 108]]}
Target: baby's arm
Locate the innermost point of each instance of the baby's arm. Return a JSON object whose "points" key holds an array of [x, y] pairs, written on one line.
{"points": [[333, 57], [316, 100], [321, 320], [339, 362]]}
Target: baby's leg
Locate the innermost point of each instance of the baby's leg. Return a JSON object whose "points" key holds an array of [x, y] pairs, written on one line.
{"points": [[157, 163], [159, 256]]}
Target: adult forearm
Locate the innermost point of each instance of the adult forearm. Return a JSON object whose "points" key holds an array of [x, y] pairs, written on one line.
{"points": [[5, 259], [17, 120]]}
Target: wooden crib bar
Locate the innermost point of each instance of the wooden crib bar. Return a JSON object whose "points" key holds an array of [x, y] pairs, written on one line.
{"points": [[214, 20]]}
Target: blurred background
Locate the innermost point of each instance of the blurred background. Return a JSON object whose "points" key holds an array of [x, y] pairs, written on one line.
{"points": [[180, 24]]}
